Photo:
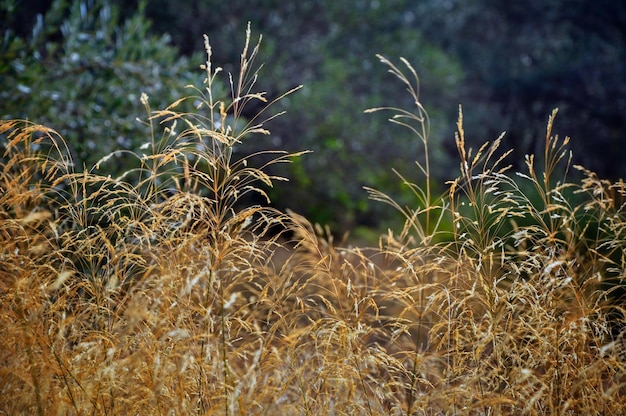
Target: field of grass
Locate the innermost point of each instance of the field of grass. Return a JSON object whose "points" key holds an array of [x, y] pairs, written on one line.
{"points": [[164, 291]]}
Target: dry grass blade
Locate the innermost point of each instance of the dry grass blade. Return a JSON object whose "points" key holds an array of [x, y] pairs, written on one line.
{"points": [[164, 291]]}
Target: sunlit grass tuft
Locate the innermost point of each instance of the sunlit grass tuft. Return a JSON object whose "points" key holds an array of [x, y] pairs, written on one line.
{"points": [[165, 291]]}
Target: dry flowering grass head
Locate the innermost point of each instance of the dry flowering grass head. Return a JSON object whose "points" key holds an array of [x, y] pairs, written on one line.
{"points": [[163, 291]]}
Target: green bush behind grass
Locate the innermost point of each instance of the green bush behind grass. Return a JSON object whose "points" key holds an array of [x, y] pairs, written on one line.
{"points": [[82, 70]]}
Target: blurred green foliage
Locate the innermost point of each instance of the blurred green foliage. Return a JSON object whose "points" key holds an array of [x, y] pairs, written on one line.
{"points": [[509, 64], [330, 48], [523, 59], [82, 69]]}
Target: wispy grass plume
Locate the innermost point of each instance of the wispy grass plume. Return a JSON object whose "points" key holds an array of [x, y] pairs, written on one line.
{"points": [[170, 290]]}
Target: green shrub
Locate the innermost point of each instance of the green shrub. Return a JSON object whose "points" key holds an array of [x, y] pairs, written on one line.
{"points": [[83, 69]]}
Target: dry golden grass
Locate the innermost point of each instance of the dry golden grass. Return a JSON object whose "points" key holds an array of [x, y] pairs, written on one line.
{"points": [[162, 292]]}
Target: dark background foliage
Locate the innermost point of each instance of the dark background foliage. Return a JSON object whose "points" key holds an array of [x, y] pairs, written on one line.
{"points": [[81, 66]]}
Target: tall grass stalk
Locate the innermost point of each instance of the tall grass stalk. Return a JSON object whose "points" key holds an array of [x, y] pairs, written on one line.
{"points": [[167, 291]]}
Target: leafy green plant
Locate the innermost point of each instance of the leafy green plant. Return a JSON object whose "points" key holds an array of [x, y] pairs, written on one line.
{"points": [[82, 69]]}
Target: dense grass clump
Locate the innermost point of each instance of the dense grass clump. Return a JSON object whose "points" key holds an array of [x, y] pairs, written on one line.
{"points": [[165, 291]]}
